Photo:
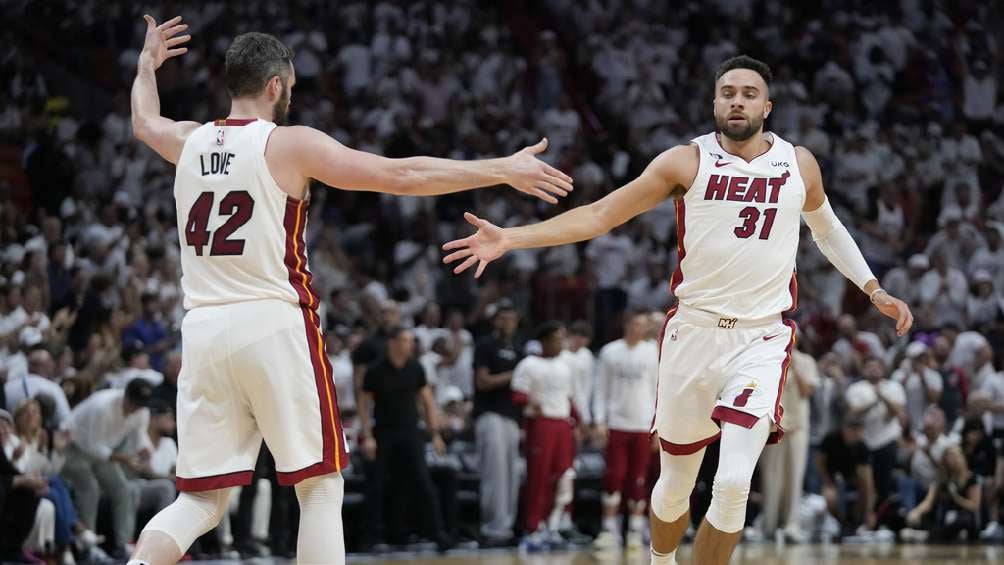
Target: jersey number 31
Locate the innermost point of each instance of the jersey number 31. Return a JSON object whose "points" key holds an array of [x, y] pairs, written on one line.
{"points": [[237, 204]]}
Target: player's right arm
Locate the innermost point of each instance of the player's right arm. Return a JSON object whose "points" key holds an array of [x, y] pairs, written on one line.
{"points": [[163, 135], [667, 174], [317, 155]]}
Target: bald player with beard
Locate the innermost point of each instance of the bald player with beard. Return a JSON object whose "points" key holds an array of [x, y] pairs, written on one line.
{"points": [[724, 351]]}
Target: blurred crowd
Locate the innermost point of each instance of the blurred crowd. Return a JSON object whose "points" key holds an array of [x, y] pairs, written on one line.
{"points": [[898, 101]]}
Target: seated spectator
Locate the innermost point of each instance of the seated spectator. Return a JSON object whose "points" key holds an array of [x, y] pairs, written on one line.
{"points": [[843, 463], [20, 502], [94, 465], [38, 380], [981, 455], [34, 456], [952, 504], [152, 484], [928, 445]]}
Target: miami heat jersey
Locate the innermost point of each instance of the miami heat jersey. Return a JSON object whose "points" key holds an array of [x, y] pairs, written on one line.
{"points": [[241, 236], [737, 230]]}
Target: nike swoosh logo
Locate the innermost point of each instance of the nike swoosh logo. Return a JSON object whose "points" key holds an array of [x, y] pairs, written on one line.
{"points": [[721, 163], [770, 337]]}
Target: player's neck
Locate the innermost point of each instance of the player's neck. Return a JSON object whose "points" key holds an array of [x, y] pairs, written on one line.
{"points": [[748, 149], [248, 108]]}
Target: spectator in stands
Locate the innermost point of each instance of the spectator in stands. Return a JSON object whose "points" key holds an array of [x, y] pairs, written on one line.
{"points": [[95, 467], [952, 504], [375, 344], [855, 344], [826, 406], [20, 496], [151, 332], [881, 402], [393, 385], [496, 426], [906, 280], [137, 366], [152, 485], [943, 292], [923, 384], [35, 457], [981, 455], [985, 305], [38, 381], [990, 258], [844, 465], [955, 383]]}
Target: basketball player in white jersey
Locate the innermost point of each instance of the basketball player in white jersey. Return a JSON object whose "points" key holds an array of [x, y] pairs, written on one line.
{"points": [[253, 362], [725, 348]]}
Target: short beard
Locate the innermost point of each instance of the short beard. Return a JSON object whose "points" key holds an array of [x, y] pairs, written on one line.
{"points": [[738, 133], [281, 108]]}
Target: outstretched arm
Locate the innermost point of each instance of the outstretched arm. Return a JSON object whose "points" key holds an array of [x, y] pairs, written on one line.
{"points": [[836, 244], [163, 135], [319, 156], [670, 171]]}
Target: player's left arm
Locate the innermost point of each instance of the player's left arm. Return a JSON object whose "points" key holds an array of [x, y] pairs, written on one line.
{"points": [[163, 135], [835, 242]]}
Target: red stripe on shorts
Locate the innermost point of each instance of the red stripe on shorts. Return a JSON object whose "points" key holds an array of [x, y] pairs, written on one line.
{"points": [[334, 458], [686, 448], [681, 252]]}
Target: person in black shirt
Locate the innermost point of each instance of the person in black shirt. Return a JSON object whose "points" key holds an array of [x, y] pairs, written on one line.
{"points": [[392, 386], [844, 463], [375, 345], [952, 504], [496, 426]]}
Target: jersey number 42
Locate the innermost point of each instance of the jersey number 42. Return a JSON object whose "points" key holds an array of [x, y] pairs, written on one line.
{"points": [[237, 204]]}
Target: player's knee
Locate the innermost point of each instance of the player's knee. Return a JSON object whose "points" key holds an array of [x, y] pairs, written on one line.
{"points": [[728, 500], [670, 498], [325, 489]]}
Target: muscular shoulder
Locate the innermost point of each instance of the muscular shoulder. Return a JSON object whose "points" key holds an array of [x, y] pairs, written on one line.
{"points": [[677, 166], [812, 177]]}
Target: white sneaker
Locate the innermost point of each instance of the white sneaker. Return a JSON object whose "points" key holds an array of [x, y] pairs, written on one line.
{"points": [[634, 542], [910, 535], [607, 541], [67, 558], [884, 534], [88, 539], [753, 534], [795, 535], [992, 531]]}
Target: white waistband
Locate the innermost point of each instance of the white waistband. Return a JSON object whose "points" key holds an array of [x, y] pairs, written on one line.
{"points": [[711, 320]]}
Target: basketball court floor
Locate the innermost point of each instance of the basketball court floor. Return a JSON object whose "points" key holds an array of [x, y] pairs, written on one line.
{"points": [[749, 554]]}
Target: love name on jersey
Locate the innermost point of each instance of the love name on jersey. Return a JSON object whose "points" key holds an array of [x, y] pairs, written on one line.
{"points": [[219, 163], [745, 189]]}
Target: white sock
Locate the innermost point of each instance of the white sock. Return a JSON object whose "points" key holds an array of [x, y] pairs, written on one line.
{"points": [[137, 562], [663, 558], [636, 522]]}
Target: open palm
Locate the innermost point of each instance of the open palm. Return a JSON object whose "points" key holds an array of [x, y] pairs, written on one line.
{"points": [[162, 41], [486, 245]]}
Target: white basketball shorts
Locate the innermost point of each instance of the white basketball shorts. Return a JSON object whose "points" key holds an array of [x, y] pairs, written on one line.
{"points": [[251, 370], [714, 370]]}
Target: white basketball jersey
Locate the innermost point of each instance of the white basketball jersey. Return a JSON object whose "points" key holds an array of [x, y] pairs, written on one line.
{"points": [[241, 236], [737, 230]]}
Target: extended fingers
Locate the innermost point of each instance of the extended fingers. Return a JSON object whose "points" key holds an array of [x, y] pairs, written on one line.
{"points": [[481, 268], [456, 243], [465, 265], [175, 41], [542, 195], [551, 171], [169, 23], [466, 252], [176, 52], [173, 30]]}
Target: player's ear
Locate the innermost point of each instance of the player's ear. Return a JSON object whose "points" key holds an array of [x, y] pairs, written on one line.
{"points": [[767, 108]]}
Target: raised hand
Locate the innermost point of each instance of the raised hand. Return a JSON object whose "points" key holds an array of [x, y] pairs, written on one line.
{"points": [[896, 309], [160, 43], [486, 245], [526, 173]]}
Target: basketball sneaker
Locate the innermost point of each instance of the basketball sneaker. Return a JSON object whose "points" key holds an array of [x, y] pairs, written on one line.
{"points": [[607, 541]]}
